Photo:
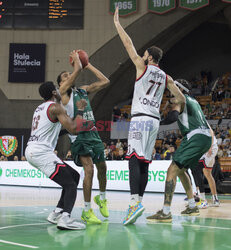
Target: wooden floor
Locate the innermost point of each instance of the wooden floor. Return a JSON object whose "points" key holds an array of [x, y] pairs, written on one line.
{"points": [[23, 224]]}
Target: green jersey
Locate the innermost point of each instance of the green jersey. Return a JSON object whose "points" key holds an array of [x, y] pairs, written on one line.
{"points": [[192, 117], [88, 113]]}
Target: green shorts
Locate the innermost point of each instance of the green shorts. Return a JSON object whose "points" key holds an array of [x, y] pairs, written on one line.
{"points": [[88, 144], [190, 150]]}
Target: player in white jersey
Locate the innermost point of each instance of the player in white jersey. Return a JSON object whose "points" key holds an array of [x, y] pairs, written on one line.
{"points": [[46, 124], [205, 167], [149, 88]]}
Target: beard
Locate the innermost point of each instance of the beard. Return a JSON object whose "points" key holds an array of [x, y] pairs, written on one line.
{"points": [[146, 62]]}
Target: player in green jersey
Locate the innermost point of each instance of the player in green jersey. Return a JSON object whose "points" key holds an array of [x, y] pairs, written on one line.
{"points": [[87, 148], [196, 141]]}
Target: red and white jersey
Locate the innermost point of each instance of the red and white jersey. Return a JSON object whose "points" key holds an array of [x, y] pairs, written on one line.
{"points": [[148, 91], [44, 130]]}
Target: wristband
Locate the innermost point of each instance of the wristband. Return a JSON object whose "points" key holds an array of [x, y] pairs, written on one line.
{"points": [[79, 112]]}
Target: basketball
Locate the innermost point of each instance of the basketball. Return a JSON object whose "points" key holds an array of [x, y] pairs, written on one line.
{"points": [[83, 56]]}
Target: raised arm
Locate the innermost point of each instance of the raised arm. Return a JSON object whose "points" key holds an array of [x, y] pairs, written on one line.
{"points": [[102, 82], [128, 44], [68, 83]]}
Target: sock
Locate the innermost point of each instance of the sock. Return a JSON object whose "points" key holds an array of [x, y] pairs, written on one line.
{"points": [[203, 196], [58, 210], [134, 199], [64, 214], [215, 197], [166, 210], [87, 206], [102, 195], [140, 198], [191, 203]]}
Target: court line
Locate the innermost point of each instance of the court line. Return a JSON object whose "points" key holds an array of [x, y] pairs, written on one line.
{"points": [[17, 244], [185, 225], [24, 225]]}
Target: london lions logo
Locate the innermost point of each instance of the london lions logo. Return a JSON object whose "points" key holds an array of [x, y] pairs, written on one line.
{"points": [[8, 145]]}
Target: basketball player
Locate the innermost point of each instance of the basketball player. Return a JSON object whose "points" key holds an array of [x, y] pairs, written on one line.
{"points": [[197, 140], [46, 125], [148, 92], [87, 148], [204, 168]]}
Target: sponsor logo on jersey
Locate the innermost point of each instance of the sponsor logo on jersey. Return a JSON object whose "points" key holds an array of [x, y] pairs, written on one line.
{"points": [[135, 135], [151, 103], [8, 145]]}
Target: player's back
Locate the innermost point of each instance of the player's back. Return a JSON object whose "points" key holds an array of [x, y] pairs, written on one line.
{"points": [[192, 118], [44, 130], [148, 91]]}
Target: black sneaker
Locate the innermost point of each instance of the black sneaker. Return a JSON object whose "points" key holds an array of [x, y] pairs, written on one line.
{"points": [[191, 211], [160, 217]]}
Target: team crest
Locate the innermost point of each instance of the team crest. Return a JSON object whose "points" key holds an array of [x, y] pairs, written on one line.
{"points": [[8, 145]]}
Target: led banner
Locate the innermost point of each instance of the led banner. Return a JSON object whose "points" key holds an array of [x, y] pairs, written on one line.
{"points": [[125, 7], [27, 62], [23, 174], [193, 4], [161, 6]]}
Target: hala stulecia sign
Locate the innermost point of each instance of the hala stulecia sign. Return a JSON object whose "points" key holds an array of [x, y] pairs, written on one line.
{"points": [[8, 145]]}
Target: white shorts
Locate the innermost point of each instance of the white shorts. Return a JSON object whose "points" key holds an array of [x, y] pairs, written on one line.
{"points": [[142, 137], [43, 159], [209, 160]]}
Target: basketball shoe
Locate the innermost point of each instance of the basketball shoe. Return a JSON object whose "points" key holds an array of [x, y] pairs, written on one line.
{"points": [[160, 217], [133, 213], [89, 217], [202, 204], [102, 205], [53, 217]]}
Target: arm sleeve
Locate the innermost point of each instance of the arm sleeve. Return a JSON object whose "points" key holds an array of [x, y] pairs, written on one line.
{"points": [[171, 117]]}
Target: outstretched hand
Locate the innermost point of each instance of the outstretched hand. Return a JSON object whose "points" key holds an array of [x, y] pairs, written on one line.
{"points": [[116, 15], [75, 56], [81, 105]]}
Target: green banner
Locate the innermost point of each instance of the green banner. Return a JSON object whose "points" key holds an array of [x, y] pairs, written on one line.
{"points": [[125, 7], [161, 6], [193, 4]]}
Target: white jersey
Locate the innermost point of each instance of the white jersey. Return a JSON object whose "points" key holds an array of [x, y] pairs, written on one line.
{"points": [[44, 130], [148, 92], [70, 112]]}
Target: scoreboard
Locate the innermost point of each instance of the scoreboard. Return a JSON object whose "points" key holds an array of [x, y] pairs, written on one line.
{"points": [[41, 14]]}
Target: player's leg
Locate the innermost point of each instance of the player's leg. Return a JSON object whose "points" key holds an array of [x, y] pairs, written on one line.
{"points": [[88, 215], [143, 179], [100, 199]]}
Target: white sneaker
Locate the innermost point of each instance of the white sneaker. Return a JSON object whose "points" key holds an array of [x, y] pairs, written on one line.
{"points": [[54, 217], [215, 203], [65, 222]]}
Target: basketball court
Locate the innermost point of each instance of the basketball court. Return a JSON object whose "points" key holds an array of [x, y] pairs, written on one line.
{"points": [[23, 225]]}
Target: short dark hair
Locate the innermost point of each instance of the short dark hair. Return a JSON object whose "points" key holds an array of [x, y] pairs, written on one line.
{"points": [[156, 53], [186, 84], [45, 90], [59, 77]]}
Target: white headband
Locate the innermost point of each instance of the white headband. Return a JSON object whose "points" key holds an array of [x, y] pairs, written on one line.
{"points": [[181, 86]]}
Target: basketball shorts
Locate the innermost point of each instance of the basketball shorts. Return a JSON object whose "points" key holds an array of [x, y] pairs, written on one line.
{"points": [[142, 137], [43, 159], [85, 148], [191, 150], [208, 160]]}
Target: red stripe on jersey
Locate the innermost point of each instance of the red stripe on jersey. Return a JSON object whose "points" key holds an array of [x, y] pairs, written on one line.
{"points": [[48, 113], [57, 170], [203, 161], [142, 74], [138, 157]]}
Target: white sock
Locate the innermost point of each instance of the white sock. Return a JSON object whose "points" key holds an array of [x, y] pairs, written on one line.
{"points": [[202, 195], [191, 203], [215, 197], [87, 206], [134, 199], [102, 195], [166, 209], [58, 210], [64, 214], [140, 198]]}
